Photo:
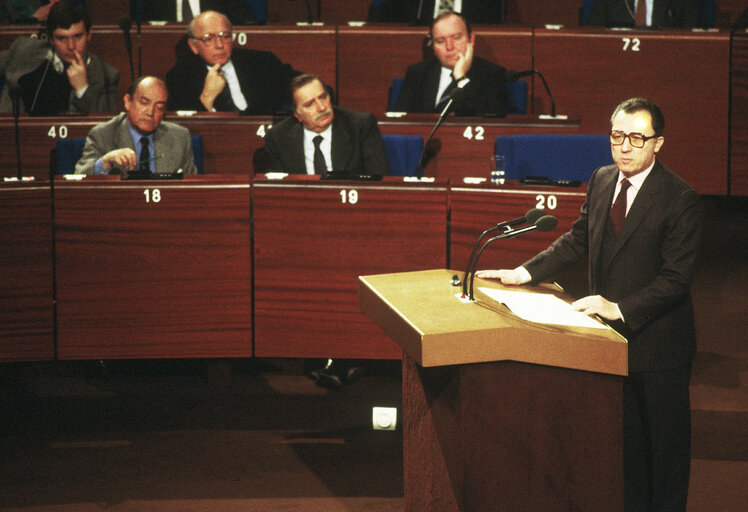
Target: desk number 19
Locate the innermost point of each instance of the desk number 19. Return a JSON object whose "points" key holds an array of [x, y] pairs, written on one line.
{"points": [[349, 196], [152, 196]]}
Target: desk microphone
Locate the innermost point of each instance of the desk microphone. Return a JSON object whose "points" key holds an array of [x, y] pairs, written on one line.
{"points": [[544, 223], [15, 95], [125, 24], [512, 76], [530, 217], [453, 94]]}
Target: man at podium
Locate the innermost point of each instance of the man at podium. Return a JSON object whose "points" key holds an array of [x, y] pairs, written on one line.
{"points": [[641, 226]]}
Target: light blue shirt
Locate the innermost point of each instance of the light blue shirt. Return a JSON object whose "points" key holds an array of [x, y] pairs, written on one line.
{"points": [[99, 165]]}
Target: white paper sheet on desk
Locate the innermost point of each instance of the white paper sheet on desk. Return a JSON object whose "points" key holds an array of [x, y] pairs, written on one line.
{"points": [[542, 308]]}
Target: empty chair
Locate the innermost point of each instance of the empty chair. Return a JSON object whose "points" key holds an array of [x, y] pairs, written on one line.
{"points": [[403, 153], [558, 157]]}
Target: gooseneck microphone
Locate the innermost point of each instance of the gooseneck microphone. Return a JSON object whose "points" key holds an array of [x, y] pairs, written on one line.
{"points": [[454, 94], [529, 218], [15, 95], [543, 224], [511, 76], [125, 24]]}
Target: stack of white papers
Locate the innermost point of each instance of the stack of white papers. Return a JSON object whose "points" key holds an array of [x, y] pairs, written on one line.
{"points": [[542, 308]]}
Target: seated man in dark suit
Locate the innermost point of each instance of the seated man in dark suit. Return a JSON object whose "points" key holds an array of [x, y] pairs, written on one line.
{"points": [[139, 139], [428, 83], [649, 13], [422, 12], [58, 75], [318, 139], [321, 138], [216, 77], [237, 11]]}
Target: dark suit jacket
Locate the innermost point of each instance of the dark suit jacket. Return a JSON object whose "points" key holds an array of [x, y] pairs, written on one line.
{"points": [[357, 146], [237, 11], [652, 266], [666, 13], [406, 11], [171, 140], [262, 76], [485, 94]]}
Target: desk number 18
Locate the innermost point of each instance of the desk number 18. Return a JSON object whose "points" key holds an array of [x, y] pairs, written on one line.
{"points": [[152, 196]]}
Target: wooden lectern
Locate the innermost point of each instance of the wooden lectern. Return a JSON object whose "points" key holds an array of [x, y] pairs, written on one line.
{"points": [[500, 413]]}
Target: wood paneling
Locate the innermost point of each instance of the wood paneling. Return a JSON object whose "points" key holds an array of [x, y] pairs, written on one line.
{"points": [[26, 272], [153, 268], [312, 239]]}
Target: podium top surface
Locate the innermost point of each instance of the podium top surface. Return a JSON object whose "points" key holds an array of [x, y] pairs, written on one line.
{"points": [[421, 311]]}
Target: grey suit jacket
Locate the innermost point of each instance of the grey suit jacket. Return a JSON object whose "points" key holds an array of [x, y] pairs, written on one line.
{"points": [[357, 146], [651, 268], [171, 140], [27, 54]]}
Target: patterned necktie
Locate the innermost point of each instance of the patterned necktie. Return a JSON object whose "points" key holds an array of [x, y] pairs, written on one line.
{"points": [[641, 13], [320, 167], [445, 95], [618, 210], [145, 154]]}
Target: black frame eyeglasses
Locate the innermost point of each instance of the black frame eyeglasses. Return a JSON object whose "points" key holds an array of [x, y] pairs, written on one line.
{"points": [[636, 139]]}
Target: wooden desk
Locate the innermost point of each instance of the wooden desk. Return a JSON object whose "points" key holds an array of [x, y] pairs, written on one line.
{"points": [[475, 208], [312, 239], [151, 269], [26, 275], [590, 71], [369, 57], [231, 142]]}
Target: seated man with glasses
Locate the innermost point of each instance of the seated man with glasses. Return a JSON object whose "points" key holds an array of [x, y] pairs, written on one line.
{"points": [[219, 78]]}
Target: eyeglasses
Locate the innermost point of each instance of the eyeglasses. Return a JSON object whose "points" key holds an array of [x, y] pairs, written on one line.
{"points": [[636, 140], [211, 38]]}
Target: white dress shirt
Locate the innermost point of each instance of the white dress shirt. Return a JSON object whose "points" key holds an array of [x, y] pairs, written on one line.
{"points": [[325, 146]]}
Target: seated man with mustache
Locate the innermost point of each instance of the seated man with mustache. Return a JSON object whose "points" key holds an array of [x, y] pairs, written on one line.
{"points": [[321, 138]]}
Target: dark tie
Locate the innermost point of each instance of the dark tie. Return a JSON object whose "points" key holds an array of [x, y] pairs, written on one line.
{"points": [[445, 95], [145, 154], [320, 167], [641, 13], [618, 210], [186, 11]]}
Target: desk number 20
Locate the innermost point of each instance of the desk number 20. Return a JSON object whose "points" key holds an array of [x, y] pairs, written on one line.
{"points": [[349, 196], [152, 196]]}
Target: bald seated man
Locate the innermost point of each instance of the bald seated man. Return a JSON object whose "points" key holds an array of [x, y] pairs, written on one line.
{"points": [[139, 139], [219, 78]]}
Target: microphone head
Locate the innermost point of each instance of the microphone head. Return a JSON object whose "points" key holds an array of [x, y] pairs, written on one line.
{"points": [[125, 24], [455, 93], [546, 223], [532, 216]]}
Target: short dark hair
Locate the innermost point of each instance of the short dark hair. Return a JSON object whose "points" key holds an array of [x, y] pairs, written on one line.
{"points": [[134, 85], [300, 81], [632, 105], [64, 14], [446, 14]]}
